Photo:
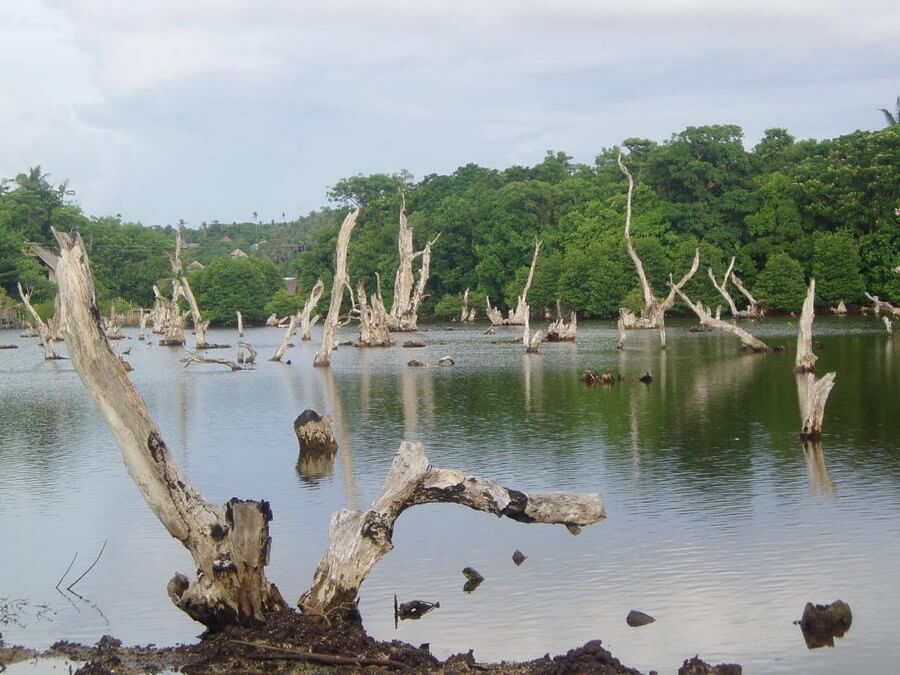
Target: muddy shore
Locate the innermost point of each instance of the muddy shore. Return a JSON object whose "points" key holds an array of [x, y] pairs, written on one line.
{"points": [[292, 643]]}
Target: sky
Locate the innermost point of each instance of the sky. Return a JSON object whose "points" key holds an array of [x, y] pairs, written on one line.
{"points": [[207, 110]]}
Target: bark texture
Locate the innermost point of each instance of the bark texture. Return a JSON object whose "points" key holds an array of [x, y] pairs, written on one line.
{"points": [[359, 539], [323, 356], [805, 361], [229, 544]]}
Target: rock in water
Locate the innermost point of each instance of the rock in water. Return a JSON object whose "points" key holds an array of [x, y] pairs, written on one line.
{"points": [[416, 364], [446, 361], [413, 344], [519, 557], [636, 618]]}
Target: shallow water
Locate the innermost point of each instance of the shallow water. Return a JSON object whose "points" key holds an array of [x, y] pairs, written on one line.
{"points": [[719, 525]]}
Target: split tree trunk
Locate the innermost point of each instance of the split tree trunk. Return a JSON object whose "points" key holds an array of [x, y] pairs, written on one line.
{"points": [[358, 540], [517, 318], [312, 301], [532, 343], [43, 329], [812, 405], [373, 319], [805, 361], [562, 329], [230, 544], [323, 356], [707, 319]]}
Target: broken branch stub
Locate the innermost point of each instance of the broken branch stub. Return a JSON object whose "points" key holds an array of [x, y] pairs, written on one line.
{"points": [[229, 544], [359, 539]]}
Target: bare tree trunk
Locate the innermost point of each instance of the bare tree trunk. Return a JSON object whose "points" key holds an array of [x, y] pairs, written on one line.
{"points": [[230, 544], [358, 540], [805, 361], [649, 315], [562, 329], [753, 310], [373, 320], [403, 281], [888, 325], [159, 315], [323, 356], [517, 318], [464, 313], [812, 405], [723, 289], [494, 315], [240, 323], [409, 319], [532, 343], [286, 340], [43, 330], [621, 326], [142, 324], [174, 336], [840, 310], [311, 302], [707, 319], [200, 325]]}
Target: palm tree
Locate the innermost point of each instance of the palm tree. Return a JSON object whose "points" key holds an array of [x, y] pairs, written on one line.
{"points": [[892, 118]]}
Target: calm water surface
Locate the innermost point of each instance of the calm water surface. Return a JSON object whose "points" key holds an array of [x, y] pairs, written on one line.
{"points": [[719, 525]]}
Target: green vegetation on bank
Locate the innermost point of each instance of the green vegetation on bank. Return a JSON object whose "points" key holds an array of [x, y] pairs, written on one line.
{"points": [[785, 209]]}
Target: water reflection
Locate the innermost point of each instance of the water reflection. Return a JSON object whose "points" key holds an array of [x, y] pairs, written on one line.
{"points": [[336, 412], [820, 483], [533, 370]]}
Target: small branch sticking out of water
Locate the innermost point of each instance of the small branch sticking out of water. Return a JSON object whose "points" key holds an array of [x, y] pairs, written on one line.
{"points": [[85, 573]]}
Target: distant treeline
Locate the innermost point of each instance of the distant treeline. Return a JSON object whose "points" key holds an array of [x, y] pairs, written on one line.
{"points": [[787, 210]]}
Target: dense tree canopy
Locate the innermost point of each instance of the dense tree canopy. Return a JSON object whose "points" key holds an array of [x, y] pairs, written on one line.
{"points": [[786, 210]]}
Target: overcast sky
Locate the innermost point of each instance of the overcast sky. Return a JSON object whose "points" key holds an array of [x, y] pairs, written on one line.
{"points": [[213, 109]]}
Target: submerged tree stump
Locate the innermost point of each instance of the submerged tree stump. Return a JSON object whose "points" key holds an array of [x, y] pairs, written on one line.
{"points": [[318, 447]]}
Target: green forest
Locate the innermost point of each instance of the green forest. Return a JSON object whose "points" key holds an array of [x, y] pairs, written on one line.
{"points": [[786, 209]]}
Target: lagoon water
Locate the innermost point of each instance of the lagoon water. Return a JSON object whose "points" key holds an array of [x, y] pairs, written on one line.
{"points": [[719, 525]]}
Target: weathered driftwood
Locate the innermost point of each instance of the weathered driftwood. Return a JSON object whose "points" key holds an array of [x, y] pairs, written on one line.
{"points": [[323, 356], [408, 297], [230, 544], [43, 329], [517, 317], [312, 301], [707, 319], [813, 397], [194, 357], [882, 306], [562, 328], [805, 361], [373, 319], [358, 539], [240, 324], [532, 343]]}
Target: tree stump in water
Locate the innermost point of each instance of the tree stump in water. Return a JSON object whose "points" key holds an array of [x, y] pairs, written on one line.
{"points": [[822, 623]]}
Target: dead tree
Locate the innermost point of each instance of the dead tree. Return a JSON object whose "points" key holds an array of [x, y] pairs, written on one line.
{"points": [[251, 353], [359, 539], [142, 324], [323, 356], [562, 329], [888, 325], [159, 315], [374, 330], [881, 305], [840, 310], [194, 357], [812, 403], [805, 361], [494, 315], [240, 324], [200, 325], [517, 317], [404, 312], [312, 301], [43, 329], [754, 309], [229, 544], [723, 288], [464, 307], [532, 343], [286, 340], [706, 319]]}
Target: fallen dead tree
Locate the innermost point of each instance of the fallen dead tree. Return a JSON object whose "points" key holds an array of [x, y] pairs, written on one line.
{"points": [[706, 319], [881, 306], [359, 539]]}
